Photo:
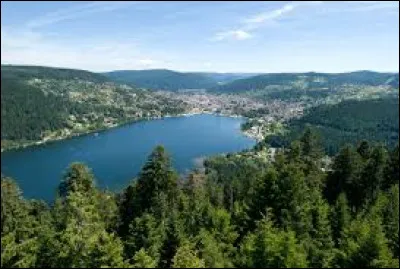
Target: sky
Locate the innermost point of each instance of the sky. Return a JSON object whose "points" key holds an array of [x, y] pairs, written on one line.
{"points": [[255, 37]]}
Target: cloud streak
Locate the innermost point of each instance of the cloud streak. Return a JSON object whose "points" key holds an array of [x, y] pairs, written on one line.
{"points": [[256, 21], [252, 22], [234, 34], [27, 47], [76, 12]]}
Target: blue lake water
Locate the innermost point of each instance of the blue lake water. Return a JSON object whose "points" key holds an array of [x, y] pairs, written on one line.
{"points": [[117, 155]]}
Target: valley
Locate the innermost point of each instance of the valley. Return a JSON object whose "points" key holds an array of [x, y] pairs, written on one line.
{"points": [[75, 102], [195, 134]]}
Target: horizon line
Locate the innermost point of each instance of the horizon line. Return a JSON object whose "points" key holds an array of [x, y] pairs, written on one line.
{"points": [[197, 71]]}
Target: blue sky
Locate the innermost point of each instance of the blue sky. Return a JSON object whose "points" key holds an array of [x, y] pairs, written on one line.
{"points": [[264, 36]]}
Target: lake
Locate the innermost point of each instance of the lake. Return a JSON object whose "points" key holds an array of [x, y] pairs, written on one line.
{"points": [[117, 155]]}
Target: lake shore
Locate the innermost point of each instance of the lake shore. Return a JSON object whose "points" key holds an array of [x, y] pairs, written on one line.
{"points": [[88, 132]]}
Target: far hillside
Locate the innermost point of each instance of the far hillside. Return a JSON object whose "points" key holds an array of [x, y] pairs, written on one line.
{"points": [[309, 80], [314, 87], [348, 122], [163, 79], [40, 72], [43, 103]]}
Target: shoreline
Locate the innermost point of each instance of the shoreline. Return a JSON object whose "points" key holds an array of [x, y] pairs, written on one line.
{"points": [[73, 135]]}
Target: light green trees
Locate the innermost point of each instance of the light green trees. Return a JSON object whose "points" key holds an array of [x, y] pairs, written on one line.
{"points": [[19, 241], [186, 257], [271, 247], [81, 238]]}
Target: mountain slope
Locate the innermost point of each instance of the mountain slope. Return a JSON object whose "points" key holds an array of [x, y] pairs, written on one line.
{"points": [[27, 72], [40, 103], [348, 122], [308, 81], [163, 79]]}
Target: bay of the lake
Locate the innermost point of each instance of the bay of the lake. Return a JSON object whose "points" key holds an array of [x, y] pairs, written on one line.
{"points": [[117, 155]]}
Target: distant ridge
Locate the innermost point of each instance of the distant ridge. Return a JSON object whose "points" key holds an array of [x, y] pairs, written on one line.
{"points": [[27, 71], [164, 79], [309, 80]]}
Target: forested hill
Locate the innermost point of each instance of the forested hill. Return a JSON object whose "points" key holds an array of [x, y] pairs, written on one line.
{"points": [[309, 81], [348, 122], [40, 72], [163, 79], [42, 103]]}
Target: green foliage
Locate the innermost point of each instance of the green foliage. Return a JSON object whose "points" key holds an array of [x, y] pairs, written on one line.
{"points": [[143, 260], [243, 211], [19, 229], [40, 104], [156, 178], [185, 257], [269, 246], [77, 179], [340, 216], [375, 120], [392, 169], [296, 85], [363, 244], [163, 79]]}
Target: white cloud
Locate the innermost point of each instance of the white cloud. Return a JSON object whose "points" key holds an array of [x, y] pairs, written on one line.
{"points": [[208, 64], [235, 34], [75, 12], [362, 6], [256, 21], [147, 62], [33, 48], [29, 44], [270, 15]]}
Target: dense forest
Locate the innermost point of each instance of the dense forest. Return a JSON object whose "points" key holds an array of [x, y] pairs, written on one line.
{"points": [[347, 122], [291, 211]]}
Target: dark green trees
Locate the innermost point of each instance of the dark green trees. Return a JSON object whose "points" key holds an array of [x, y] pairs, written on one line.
{"points": [[244, 211], [81, 238], [19, 229], [155, 180], [269, 247]]}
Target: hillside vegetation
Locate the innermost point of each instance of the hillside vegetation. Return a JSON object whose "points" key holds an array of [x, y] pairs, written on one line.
{"points": [[348, 122], [315, 88], [40, 104], [310, 80], [163, 79]]}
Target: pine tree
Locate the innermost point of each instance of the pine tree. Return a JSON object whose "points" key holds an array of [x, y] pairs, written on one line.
{"points": [[392, 169], [364, 149], [340, 217], [19, 229], [373, 174], [347, 167], [320, 244], [143, 260], [148, 233], [78, 178], [363, 244], [156, 178], [271, 247], [186, 257], [81, 238]]}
